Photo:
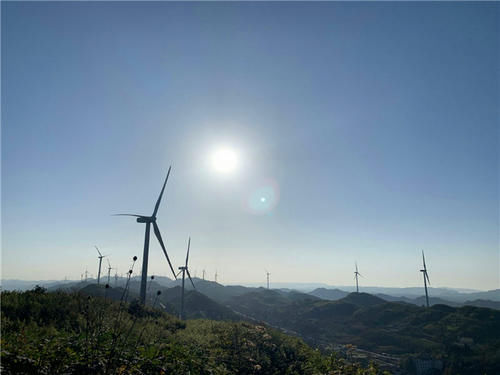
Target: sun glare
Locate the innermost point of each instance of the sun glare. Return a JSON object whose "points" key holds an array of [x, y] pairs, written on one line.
{"points": [[224, 160]]}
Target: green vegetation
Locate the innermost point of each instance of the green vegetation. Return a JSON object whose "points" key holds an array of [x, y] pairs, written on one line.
{"points": [[72, 333], [465, 338], [196, 305]]}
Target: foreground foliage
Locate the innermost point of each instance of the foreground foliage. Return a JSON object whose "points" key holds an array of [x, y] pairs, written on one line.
{"points": [[60, 333]]}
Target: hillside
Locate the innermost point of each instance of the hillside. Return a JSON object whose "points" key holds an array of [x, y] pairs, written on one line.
{"points": [[70, 333], [196, 305], [329, 294], [454, 296], [455, 299], [376, 325]]}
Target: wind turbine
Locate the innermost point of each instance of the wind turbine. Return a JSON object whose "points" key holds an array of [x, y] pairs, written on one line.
{"points": [[109, 270], [426, 279], [356, 274], [148, 220], [184, 270], [100, 262], [267, 274], [203, 274], [216, 276]]}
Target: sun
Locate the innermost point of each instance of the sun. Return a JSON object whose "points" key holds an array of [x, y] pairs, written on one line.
{"points": [[224, 160]]}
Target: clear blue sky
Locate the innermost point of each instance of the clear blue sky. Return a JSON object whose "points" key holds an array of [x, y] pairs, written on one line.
{"points": [[376, 124]]}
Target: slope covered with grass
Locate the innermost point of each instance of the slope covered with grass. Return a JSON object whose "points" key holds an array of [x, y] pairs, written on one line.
{"points": [[61, 333]]}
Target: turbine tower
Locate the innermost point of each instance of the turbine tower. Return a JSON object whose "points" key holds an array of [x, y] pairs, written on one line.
{"points": [[184, 269], [267, 274], [148, 220], [216, 276], [203, 274], [426, 279], [356, 274], [100, 262]]}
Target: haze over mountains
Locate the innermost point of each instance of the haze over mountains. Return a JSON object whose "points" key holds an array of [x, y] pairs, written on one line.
{"points": [[413, 295]]}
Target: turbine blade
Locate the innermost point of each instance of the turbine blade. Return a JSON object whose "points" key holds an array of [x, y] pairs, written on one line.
{"points": [[187, 255], [423, 259], [178, 273], [128, 215], [356, 264], [190, 279], [109, 264], [427, 276], [98, 251], [161, 193], [160, 240]]}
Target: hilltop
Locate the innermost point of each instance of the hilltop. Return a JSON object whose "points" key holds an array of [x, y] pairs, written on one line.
{"points": [[196, 305], [71, 333]]}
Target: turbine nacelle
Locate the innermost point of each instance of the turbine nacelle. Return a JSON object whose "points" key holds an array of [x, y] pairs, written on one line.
{"points": [[146, 219]]}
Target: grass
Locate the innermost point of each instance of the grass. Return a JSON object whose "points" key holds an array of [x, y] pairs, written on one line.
{"points": [[70, 333]]}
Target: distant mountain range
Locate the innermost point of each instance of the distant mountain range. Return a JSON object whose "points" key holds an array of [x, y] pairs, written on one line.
{"points": [[490, 299], [221, 293]]}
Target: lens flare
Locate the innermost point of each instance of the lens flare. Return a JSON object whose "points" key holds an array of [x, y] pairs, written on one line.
{"points": [[264, 198]]}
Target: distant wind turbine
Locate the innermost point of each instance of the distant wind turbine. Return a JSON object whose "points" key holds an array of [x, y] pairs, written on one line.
{"points": [[148, 220], [267, 274], [216, 276], [184, 269], [100, 262], [356, 274], [109, 270], [426, 279]]}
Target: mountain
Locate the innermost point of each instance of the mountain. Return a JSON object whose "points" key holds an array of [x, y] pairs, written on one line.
{"points": [[68, 333], [455, 298], [419, 301], [218, 292], [464, 337], [329, 294], [447, 294], [483, 303], [196, 305], [21, 285], [492, 295], [114, 294], [362, 299]]}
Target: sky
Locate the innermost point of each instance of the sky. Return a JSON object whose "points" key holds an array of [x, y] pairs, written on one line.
{"points": [[364, 132]]}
